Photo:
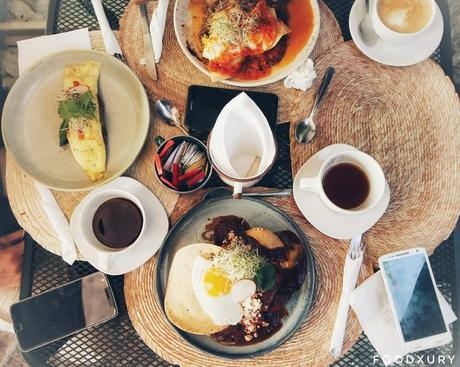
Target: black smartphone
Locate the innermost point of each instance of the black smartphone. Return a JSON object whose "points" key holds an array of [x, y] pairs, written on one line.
{"points": [[63, 311], [205, 103]]}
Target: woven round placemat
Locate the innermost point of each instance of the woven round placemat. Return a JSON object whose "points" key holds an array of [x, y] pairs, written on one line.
{"points": [[307, 347], [25, 200], [408, 120], [176, 73]]}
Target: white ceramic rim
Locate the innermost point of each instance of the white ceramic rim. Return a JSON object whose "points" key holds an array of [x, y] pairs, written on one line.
{"points": [[301, 57]]}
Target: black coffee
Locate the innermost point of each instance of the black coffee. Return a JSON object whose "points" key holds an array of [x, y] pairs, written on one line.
{"points": [[346, 185], [117, 223]]}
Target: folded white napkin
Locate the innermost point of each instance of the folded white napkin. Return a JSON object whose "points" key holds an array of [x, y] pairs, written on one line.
{"points": [[30, 51], [240, 135], [372, 307], [59, 223], [350, 276], [301, 78], [110, 41], [33, 49], [157, 27]]}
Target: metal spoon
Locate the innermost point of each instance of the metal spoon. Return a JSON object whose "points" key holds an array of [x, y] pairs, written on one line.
{"points": [[305, 129], [221, 192], [366, 30], [169, 114]]}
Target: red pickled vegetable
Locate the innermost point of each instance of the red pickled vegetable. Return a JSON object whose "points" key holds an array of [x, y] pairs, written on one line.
{"points": [[196, 179], [158, 165], [168, 183], [175, 174], [166, 148], [188, 175]]}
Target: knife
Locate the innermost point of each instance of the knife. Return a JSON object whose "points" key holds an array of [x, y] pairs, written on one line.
{"points": [[149, 56], [110, 41]]}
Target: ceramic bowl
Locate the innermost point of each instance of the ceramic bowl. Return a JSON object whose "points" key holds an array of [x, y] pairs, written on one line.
{"points": [[182, 26], [258, 213]]}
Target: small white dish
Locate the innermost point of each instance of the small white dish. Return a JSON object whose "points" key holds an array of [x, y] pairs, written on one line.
{"points": [[155, 228], [332, 223], [416, 50]]}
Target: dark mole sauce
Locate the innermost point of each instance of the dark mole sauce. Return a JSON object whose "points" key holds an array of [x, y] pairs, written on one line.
{"points": [[274, 300], [117, 223]]}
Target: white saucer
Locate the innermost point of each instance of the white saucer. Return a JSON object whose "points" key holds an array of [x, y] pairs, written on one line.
{"points": [[415, 51], [327, 221], [156, 227]]}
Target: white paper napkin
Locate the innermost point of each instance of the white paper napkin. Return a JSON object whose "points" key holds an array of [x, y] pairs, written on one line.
{"points": [[33, 49], [29, 52], [350, 276], [242, 133], [59, 223], [157, 27], [372, 307], [301, 78], [110, 41]]}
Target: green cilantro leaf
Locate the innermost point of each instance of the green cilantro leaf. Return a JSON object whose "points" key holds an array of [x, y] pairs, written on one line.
{"points": [[75, 106], [266, 277], [78, 105], [63, 133]]}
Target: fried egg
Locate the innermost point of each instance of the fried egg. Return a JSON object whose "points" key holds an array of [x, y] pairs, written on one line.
{"points": [[218, 297], [235, 34]]}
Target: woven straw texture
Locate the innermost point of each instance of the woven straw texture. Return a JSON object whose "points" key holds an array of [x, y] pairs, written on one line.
{"points": [[408, 120], [308, 346], [176, 73], [25, 200]]}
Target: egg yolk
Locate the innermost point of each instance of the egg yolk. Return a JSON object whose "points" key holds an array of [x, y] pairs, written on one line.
{"points": [[216, 283]]}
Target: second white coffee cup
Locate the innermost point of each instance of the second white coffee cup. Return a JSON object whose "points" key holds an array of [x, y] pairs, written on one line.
{"points": [[366, 163], [392, 36]]}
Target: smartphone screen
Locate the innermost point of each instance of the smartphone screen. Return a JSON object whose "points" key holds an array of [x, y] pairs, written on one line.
{"points": [[63, 311], [204, 105], [414, 297]]}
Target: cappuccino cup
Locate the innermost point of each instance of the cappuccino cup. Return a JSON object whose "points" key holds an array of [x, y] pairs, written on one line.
{"points": [[400, 21], [349, 182]]}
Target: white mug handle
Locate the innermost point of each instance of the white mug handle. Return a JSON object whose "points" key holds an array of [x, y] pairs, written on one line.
{"points": [[310, 184], [237, 190]]}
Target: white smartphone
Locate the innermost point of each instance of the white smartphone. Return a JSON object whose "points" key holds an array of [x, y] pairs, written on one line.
{"points": [[63, 311], [415, 304]]}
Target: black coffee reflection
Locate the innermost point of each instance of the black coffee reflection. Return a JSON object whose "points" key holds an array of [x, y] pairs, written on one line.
{"points": [[346, 185], [117, 223]]}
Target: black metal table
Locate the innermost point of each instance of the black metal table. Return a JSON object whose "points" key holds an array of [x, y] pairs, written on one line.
{"points": [[116, 343]]}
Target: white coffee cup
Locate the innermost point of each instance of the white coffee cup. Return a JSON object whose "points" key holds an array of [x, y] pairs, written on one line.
{"points": [[366, 163], [391, 36], [238, 182], [105, 254]]}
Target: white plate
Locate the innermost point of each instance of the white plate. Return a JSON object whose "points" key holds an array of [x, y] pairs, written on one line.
{"points": [[327, 221], [30, 123], [415, 51], [182, 25], [156, 227]]}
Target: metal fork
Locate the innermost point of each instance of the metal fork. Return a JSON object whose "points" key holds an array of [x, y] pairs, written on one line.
{"points": [[350, 275], [357, 247]]}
